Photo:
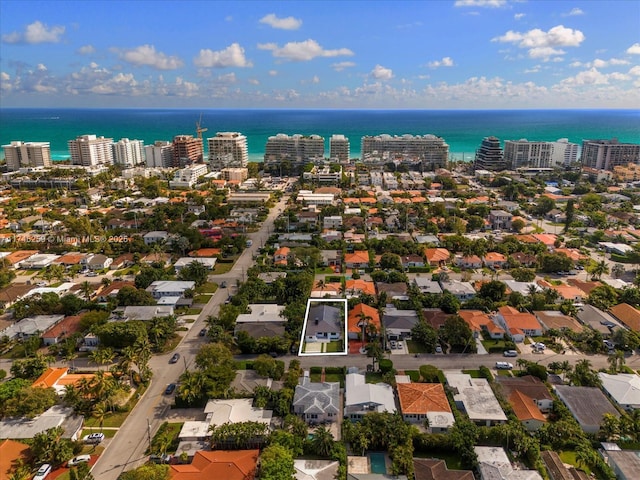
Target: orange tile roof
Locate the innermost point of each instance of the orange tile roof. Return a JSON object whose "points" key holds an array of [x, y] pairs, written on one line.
{"points": [[68, 326], [573, 253], [205, 252], [568, 292], [282, 251], [526, 238], [525, 407], [19, 255], [219, 464], [329, 287], [11, 452], [420, 398], [628, 315], [50, 377], [360, 285], [475, 319], [360, 256], [72, 258], [351, 200], [519, 320], [437, 254], [495, 257], [586, 287], [368, 200], [354, 317], [547, 238]]}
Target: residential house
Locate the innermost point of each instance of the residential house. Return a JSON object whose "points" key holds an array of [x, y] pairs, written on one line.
{"points": [[38, 261], [156, 236], [70, 259], [569, 292], [409, 261], [393, 291], [468, 261], [282, 255], [362, 398], [527, 411], [463, 291], [500, 220], [585, 286], [15, 259], [398, 323], [359, 315], [623, 388], [97, 262], [146, 313], [62, 330], [307, 469], [12, 454], [525, 259], [30, 326], [598, 320], [625, 463], [425, 401], [331, 258], [355, 288], [111, 291], [208, 262], [169, 288], [494, 260], [317, 402], [628, 315], [123, 261], [573, 253], [479, 321], [426, 285], [57, 416], [587, 405], [264, 320], [518, 324], [437, 257], [435, 317], [357, 260], [555, 466], [324, 323], [156, 257], [436, 469], [333, 222], [530, 386], [555, 320], [494, 464], [475, 397], [227, 464]]}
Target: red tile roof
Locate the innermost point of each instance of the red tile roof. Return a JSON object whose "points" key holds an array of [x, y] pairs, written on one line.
{"points": [[218, 464], [525, 407], [354, 317], [420, 398], [11, 452]]}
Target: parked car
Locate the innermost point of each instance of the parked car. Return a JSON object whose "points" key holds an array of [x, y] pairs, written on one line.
{"points": [[160, 458], [203, 332], [170, 388], [504, 366], [92, 274], [539, 346], [175, 358], [41, 284], [93, 438], [510, 353], [223, 284], [392, 344], [438, 349], [42, 472], [400, 345], [78, 460]]}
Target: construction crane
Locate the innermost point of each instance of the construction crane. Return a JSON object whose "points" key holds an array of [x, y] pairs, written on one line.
{"points": [[199, 129]]}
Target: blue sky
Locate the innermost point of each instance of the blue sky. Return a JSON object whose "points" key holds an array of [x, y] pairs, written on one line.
{"points": [[458, 54]]}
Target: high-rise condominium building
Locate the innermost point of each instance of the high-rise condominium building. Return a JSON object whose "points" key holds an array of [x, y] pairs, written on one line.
{"points": [[523, 153], [489, 155], [128, 153], [339, 148], [186, 150], [286, 154], [430, 151], [159, 155], [606, 154], [27, 154], [228, 149], [89, 151]]}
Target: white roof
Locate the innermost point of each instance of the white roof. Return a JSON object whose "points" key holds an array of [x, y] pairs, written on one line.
{"points": [[206, 261], [521, 287], [360, 393], [31, 325], [494, 464], [315, 469], [193, 429], [262, 313], [235, 411], [440, 419], [59, 290], [476, 396], [624, 388]]}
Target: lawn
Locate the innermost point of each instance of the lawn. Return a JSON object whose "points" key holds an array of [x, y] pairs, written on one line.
{"points": [[373, 377], [324, 270], [202, 299], [221, 268], [416, 347], [494, 346], [112, 420], [473, 373], [570, 457], [452, 460], [505, 373], [414, 375], [189, 311], [171, 343], [335, 377], [315, 377], [170, 430], [209, 287], [334, 347]]}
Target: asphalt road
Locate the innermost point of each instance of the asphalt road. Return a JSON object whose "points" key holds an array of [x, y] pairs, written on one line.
{"points": [[126, 450]]}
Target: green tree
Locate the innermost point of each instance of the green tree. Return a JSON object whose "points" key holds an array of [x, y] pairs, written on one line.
{"points": [[457, 334], [425, 334], [264, 366], [523, 274], [148, 471], [50, 447], [276, 463], [322, 442], [130, 296], [603, 297], [196, 272], [449, 303]]}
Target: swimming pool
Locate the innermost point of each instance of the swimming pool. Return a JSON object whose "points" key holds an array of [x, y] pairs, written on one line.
{"points": [[378, 463]]}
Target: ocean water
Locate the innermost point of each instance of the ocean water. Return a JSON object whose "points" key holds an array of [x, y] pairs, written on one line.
{"points": [[463, 130]]}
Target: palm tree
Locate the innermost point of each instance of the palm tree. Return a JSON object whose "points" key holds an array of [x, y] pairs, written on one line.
{"points": [[322, 441], [102, 356], [99, 412], [191, 386], [363, 321], [599, 269], [86, 289]]}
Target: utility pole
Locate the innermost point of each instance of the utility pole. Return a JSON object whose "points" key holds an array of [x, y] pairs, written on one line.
{"points": [[149, 432]]}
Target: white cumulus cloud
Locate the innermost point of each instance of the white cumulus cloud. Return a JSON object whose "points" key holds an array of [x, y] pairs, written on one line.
{"points": [[273, 73], [381, 73], [86, 50], [286, 23], [303, 51], [575, 12], [338, 67], [518, 16], [634, 49], [481, 3], [232, 56], [36, 32], [445, 62], [543, 44], [147, 55]]}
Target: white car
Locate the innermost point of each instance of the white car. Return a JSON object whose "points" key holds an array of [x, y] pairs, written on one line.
{"points": [[504, 366], [400, 345], [78, 460], [539, 346], [93, 438], [42, 472]]}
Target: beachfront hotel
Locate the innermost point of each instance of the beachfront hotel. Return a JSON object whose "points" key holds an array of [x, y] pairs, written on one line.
{"points": [[428, 150], [128, 153], [228, 150], [91, 151], [27, 154], [607, 154]]}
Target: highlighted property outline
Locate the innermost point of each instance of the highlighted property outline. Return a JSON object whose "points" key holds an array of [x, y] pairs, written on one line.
{"points": [[345, 307]]}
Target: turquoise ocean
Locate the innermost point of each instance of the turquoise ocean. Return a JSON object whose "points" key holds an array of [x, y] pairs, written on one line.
{"points": [[463, 130]]}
